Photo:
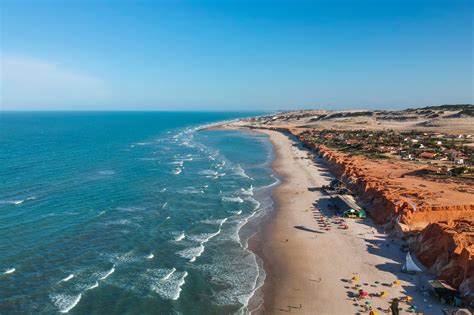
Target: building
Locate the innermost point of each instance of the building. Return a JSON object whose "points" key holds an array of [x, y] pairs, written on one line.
{"points": [[427, 155]]}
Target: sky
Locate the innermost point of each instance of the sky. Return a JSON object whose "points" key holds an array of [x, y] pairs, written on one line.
{"points": [[234, 55]]}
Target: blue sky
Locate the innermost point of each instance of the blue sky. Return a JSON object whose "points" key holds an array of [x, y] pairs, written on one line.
{"points": [[217, 55]]}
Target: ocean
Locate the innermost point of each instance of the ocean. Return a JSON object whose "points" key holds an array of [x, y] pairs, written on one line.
{"points": [[130, 213]]}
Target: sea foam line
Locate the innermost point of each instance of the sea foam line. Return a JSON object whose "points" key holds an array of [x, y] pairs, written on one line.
{"points": [[180, 284], [95, 285], [168, 275], [67, 278], [65, 303], [9, 271], [169, 287], [194, 252], [232, 199], [108, 273], [180, 237]]}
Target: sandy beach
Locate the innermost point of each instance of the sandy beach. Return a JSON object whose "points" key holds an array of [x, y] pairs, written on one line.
{"points": [[308, 268]]}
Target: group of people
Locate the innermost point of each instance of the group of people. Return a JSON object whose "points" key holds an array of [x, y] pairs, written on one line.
{"points": [[394, 305]]}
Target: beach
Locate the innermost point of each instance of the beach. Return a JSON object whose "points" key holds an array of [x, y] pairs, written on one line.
{"points": [[309, 268]]}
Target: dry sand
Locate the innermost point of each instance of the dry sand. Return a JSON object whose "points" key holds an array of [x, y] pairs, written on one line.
{"points": [[307, 267]]}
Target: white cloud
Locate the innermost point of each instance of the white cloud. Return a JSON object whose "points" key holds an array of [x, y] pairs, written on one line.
{"points": [[29, 83]]}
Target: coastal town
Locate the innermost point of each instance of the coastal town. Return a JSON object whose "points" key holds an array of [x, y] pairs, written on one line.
{"points": [[443, 154], [411, 173]]}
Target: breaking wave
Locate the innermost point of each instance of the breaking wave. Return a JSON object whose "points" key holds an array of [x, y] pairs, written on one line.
{"points": [[67, 278], [65, 302], [232, 199], [108, 273], [9, 271]]}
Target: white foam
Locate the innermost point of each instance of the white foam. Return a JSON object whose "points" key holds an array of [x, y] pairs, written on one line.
{"points": [[164, 205], [215, 221], [180, 284], [204, 238], [9, 271], [232, 199], [254, 201], [93, 286], [168, 275], [150, 256], [237, 212], [67, 278], [125, 258], [180, 237], [118, 222], [247, 192], [11, 202], [191, 190], [16, 202], [65, 303], [191, 253], [108, 273], [177, 171], [163, 190], [179, 163], [208, 173], [241, 172], [170, 288], [240, 225]]}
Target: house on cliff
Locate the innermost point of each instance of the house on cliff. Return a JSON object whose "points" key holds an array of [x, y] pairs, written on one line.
{"points": [[427, 155]]}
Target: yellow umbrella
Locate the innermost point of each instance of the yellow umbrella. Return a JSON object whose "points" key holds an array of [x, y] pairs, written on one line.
{"points": [[355, 279]]}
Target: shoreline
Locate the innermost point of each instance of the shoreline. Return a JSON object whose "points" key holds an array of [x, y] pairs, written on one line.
{"points": [[308, 269]]}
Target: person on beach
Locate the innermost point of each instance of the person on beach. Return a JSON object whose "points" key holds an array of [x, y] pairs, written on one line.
{"points": [[394, 307]]}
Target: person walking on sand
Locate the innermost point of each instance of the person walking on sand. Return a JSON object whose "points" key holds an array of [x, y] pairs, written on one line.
{"points": [[394, 307]]}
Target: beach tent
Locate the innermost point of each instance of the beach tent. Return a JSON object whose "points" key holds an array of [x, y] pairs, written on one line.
{"points": [[410, 266], [352, 213], [443, 291]]}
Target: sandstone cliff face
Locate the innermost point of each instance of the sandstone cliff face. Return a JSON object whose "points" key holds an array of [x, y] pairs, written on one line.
{"points": [[448, 250]]}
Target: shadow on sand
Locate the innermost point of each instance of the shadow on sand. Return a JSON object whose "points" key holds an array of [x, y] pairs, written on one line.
{"points": [[303, 228]]}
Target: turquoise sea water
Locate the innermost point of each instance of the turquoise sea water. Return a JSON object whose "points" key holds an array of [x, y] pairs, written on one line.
{"points": [[129, 213]]}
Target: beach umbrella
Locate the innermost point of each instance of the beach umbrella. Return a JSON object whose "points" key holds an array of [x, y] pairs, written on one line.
{"points": [[373, 313], [384, 294], [355, 279]]}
